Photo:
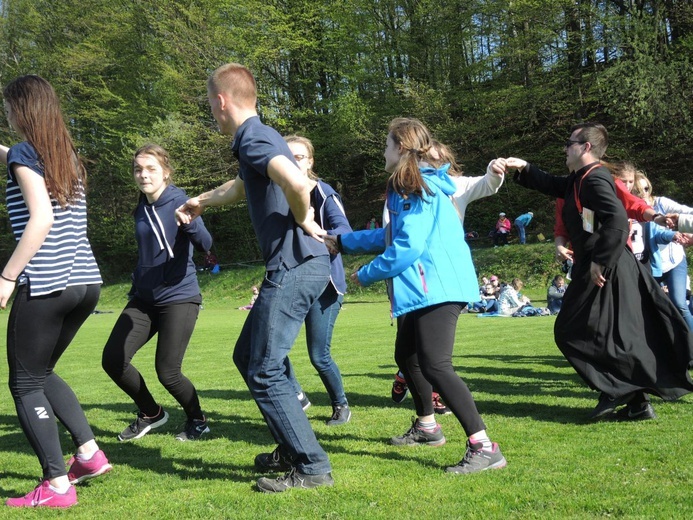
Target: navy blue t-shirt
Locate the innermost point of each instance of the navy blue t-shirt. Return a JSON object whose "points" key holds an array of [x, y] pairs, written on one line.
{"points": [[281, 240]]}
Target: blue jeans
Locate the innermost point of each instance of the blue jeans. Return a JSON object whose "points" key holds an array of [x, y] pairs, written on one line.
{"points": [[676, 283], [319, 326], [521, 232], [267, 336]]}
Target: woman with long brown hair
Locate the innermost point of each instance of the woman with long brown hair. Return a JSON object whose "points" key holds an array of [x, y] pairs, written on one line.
{"points": [[58, 285]]}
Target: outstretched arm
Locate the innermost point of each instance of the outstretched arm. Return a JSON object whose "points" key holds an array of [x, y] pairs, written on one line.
{"points": [[228, 193]]}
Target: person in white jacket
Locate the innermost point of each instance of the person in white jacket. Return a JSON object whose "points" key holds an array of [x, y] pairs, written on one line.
{"points": [[674, 264]]}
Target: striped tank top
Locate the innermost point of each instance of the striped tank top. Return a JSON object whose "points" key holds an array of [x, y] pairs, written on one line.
{"points": [[65, 258]]}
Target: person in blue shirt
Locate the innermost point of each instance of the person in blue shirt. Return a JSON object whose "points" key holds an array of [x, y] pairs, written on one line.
{"points": [[164, 300], [297, 267], [521, 223], [431, 277]]}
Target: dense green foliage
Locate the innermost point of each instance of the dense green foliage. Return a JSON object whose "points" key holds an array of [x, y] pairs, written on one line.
{"points": [[491, 78]]}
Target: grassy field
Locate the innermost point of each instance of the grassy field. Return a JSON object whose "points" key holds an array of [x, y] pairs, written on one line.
{"points": [[559, 465]]}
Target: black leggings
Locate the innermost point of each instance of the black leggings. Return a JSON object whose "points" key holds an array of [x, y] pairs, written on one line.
{"points": [[137, 324], [39, 330], [423, 352]]}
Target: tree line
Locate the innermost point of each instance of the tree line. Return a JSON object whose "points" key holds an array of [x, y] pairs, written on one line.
{"points": [[489, 77]]}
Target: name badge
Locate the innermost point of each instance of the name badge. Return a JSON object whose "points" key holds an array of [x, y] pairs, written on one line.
{"points": [[588, 220]]}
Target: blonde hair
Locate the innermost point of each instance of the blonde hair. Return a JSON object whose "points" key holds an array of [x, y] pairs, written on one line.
{"points": [[309, 147], [414, 139], [237, 82], [637, 188]]}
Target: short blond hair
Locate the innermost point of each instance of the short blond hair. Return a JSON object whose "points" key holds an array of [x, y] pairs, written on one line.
{"points": [[237, 81]]}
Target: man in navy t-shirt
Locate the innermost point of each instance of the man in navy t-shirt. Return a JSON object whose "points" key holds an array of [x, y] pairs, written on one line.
{"points": [[297, 272]]}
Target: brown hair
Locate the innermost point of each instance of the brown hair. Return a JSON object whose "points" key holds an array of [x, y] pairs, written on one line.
{"points": [[159, 153], [596, 135], [444, 156], [37, 116], [235, 80], [517, 284], [309, 147], [415, 141]]}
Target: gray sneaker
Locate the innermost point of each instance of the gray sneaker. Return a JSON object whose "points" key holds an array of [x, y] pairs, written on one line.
{"points": [[340, 415], [294, 479], [275, 461], [479, 459], [417, 436], [193, 430]]}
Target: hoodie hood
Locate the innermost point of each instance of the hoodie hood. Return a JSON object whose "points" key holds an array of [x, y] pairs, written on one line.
{"points": [[438, 177]]}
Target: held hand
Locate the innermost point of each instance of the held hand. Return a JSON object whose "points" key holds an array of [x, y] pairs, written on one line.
{"points": [[674, 218], [497, 166], [311, 227], [596, 271], [331, 243], [186, 213], [355, 278], [684, 239], [513, 163], [665, 221]]}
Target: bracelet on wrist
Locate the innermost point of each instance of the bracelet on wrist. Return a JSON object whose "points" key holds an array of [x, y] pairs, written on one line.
{"points": [[7, 279]]}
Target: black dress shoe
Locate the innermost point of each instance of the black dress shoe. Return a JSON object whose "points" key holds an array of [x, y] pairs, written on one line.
{"points": [[607, 405]]}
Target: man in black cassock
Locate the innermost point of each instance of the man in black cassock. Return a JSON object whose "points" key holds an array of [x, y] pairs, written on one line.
{"points": [[617, 328]]}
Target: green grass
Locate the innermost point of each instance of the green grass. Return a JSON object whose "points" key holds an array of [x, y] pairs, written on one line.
{"points": [[559, 465]]}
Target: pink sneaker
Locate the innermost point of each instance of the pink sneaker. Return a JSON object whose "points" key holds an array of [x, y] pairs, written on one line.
{"points": [[81, 470], [44, 496]]}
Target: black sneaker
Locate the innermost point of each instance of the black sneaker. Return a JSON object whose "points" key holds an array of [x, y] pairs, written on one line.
{"points": [[607, 405], [305, 402], [294, 479], [399, 389], [417, 436], [478, 459], [637, 412], [193, 430], [439, 406], [143, 425], [275, 461], [340, 415]]}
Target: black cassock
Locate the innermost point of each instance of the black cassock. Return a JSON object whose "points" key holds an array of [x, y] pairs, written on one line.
{"points": [[627, 335]]}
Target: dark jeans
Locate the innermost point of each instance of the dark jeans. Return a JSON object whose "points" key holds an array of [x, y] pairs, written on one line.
{"points": [[268, 334], [423, 352], [137, 324], [39, 330]]}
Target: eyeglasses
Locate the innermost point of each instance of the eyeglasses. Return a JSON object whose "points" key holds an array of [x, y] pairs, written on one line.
{"points": [[300, 157], [570, 143]]}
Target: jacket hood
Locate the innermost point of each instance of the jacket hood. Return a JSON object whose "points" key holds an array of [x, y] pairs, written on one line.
{"points": [[439, 177], [167, 196]]}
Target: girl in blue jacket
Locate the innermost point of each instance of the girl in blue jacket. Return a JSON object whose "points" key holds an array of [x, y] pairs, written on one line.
{"points": [[430, 276], [165, 299]]}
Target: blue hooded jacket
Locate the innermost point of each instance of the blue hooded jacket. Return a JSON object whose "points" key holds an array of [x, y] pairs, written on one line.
{"points": [[426, 258]]}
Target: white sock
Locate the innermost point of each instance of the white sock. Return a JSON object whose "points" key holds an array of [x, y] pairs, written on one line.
{"points": [[60, 491], [86, 456]]}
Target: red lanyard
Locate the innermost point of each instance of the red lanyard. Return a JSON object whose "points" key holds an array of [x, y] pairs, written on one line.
{"points": [[576, 193]]}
